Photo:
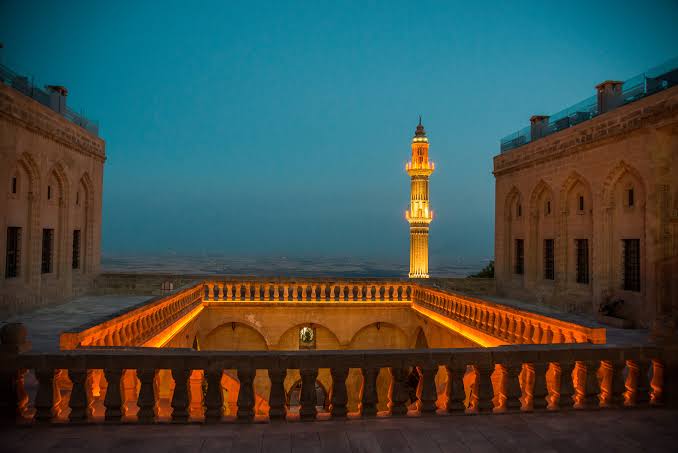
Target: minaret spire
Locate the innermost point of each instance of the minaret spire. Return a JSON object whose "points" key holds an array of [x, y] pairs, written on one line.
{"points": [[419, 215]]}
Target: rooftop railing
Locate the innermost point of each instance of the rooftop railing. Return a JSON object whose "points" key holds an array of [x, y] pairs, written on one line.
{"points": [[643, 85], [21, 84]]}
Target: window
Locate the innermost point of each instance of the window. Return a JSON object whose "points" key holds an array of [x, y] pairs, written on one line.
{"points": [[49, 192], [520, 257], [630, 198], [548, 207], [76, 249], [519, 210], [549, 273], [582, 248], [77, 198], [581, 202], [14, 185], [631, 264], [47, 250], [13, 254]]}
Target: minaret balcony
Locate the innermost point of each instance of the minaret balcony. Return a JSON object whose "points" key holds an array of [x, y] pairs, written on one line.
{"points": [[420, 168]]}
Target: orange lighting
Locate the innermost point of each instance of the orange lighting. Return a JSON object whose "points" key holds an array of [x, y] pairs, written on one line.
{"points": [[166, 335]]}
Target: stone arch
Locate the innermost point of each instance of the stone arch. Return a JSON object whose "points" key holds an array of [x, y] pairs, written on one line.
{"points": [[420, 340], [614, 176], [575, 225], [83, 213], [234, 335], [542, 226], [54, 215], [379, 335], [325, 338], [624, 226], [514, 215]]}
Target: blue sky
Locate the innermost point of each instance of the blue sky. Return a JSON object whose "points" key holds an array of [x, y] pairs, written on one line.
{"points": [[282, 128]]}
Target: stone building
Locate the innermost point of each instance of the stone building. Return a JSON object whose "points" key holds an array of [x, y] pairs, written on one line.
{"points": [[587, 203], [51, 168]]}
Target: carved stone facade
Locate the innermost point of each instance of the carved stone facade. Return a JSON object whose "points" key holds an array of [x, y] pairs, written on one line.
{"points": [[589, 196], [50, 204]]}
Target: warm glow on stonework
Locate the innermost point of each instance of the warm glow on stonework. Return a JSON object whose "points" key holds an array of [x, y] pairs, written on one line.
{"points": [[420, 214]]}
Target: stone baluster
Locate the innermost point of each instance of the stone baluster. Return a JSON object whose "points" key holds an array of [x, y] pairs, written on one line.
{"points": [[214, 399], [220, 294], [455, 388], [536, 334], [388, 293], [513, 390], [276, 292], [308, 399], [339, 394], [210, 291], [146, 399], [245, 411], [323, 289], [180, 397], [518, 331], [566, 389], [547, 335], [313, 292], [360, 292], [238, 292], [429, 393], [78, 401], [332, 292], [527, 332], [44, 399], [248, 291], [229, 291], [286, 292], [399, 393], [368, 293], [368, 404], [276, 400], [267, 291]]}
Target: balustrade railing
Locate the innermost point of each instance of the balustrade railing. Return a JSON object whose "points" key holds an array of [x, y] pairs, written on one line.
{"points": [[507, 324], [136, 326], [307, 291], [95, 385]]}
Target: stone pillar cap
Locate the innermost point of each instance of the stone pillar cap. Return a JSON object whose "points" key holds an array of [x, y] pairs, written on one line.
{"points": [[538, 118]]}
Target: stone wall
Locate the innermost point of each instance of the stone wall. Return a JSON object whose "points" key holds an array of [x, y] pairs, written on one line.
{"points": [[51, 173], [575, 184]]}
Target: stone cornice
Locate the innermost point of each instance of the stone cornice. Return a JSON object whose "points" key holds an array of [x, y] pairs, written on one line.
{"points": [[30, 114], [656, 110]]}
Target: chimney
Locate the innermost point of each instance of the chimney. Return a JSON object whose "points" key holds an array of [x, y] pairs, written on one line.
{"points": [[538, 126], [609, 95], [57, 97]]}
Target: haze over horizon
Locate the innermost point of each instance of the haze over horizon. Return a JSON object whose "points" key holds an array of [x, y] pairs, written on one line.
{"points": [[254, 129]]}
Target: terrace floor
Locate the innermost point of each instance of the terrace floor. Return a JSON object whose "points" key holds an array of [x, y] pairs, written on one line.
{"points": [[615, 430], [45, 324]]}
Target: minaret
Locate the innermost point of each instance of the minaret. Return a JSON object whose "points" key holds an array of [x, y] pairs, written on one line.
{"points": [[419, 215]]}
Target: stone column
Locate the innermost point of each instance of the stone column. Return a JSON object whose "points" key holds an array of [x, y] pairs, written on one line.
{"points": [[339, 395], [308, 396]]}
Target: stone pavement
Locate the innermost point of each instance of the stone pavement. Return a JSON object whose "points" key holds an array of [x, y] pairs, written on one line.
{"points": [[654, 430], [45, 324]]}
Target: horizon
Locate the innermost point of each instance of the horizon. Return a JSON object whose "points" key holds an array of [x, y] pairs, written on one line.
{"points": [[286, 134]]}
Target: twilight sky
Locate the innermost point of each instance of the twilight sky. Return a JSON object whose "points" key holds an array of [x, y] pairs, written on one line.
{"points": [[282, 128]]}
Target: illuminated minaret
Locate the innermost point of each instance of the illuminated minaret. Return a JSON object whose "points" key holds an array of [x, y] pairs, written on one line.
{"points": [[419, 215]]}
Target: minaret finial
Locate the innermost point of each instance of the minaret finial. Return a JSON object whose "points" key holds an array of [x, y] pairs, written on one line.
{"points": [[420, 120]]}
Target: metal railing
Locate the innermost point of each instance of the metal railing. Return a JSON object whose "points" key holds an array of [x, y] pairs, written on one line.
{"points": [[635, 88], [22, 84]]}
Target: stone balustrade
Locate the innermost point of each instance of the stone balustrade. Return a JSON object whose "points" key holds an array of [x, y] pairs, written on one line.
{"points": [[506, 325], [307, 291], [465, 381], [138, 325]]}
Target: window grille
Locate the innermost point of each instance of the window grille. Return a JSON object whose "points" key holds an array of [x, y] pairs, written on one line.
{"points": [[520, 257], [76, 249], [47, 250], [631, 264], [13, 255], [582, 247], [549, 271]]}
